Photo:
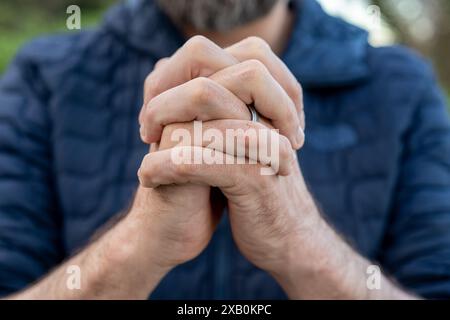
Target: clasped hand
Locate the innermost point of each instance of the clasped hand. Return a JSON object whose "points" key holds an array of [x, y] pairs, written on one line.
{"points": [[270, 214]]}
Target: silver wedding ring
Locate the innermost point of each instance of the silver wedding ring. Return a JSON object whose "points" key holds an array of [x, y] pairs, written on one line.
{"points": [[253, 113]]}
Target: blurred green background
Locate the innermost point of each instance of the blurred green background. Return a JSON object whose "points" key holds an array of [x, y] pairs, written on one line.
{"points": [[22, 20], [421, 24]]}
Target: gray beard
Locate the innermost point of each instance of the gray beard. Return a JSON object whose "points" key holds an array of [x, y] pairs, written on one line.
{"points": [[215, 15]]}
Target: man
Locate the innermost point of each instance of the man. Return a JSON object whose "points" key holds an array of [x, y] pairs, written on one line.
{"points": [[376, 160]]}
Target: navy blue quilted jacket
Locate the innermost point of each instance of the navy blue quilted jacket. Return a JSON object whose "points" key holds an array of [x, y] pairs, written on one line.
{"points": [[377, 153]]}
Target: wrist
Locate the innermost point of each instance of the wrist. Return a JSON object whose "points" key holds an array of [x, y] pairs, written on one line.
{"points": [[296, 265], [336, 271], [317, 264], [144, 239], [138, 248], [123, 263]]}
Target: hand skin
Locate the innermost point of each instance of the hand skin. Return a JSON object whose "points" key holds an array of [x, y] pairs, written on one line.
{"points": [[192, 85], [290, 240], [201, 81], [276, 224]]}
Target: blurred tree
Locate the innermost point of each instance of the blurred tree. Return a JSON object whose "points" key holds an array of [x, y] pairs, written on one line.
{"points": [[22, 20], [423, 25]]}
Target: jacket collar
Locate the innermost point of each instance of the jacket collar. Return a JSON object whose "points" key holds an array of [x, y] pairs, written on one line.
{"points": [[323, 51]]}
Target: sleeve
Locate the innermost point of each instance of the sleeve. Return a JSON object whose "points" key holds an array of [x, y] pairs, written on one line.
{"points": [[30, 241], [417, 247]]}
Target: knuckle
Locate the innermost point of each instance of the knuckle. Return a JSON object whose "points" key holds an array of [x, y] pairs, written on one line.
{"points": [[256, 64], [197, 44], [160, 63], [195, 51], [145, 172], [150, 114], [253, 69], [147, 81], [182, 169], [153, 85], [203, 90], [257, 46]]}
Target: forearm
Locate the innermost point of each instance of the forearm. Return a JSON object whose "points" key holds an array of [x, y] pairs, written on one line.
{"points": [[121, 264], [330, 269]]}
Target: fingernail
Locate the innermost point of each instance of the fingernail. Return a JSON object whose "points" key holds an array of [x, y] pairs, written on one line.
{"points": [[300, 137], [139, 176], [143, 132]]}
